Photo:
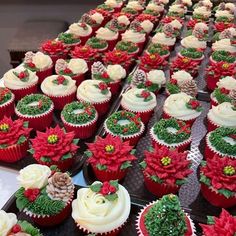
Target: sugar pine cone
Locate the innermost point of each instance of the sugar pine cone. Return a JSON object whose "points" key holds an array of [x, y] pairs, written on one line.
{"points": [[232, 95], [60, 187], [226, 34], [139, 77], [189, 87], [61, 65], [28, 57], [98, 68]]}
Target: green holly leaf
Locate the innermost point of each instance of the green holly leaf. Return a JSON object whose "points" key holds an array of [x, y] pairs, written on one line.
{"points": [[88, 153], [111, 197], [3, 146], [31, 151], [21, 200], [180, 181], [203, 163], [125, 165], [172, 88], [210, 220], [150, 149], [227, 193], [26, 124], [115, 183], [45, 159], [96, 187], [75, 141], [156, 179], [205, 180], [21, 139], [133, 151], [143, 164], [66, 156], [101, 167]]}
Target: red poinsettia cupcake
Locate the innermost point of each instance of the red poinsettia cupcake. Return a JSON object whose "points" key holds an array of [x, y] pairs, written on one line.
{"points": [[14, 139], [7, 99], [165, 170], [54, 49], [110, 157], [218, 181], [54, 147], [225, 224]]}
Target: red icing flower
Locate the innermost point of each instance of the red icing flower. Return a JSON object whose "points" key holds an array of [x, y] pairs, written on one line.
{"points": [[184, 63], [221, 172], [128, 15], [173, 81], [117, 57], [194, 104], [31, 65], [105, 75], [85, 52], [107, 188], [16, 229], [224, 91], [224, 225], [53, 144], [32, 194], [148, 83], [102, 86], [168, 165], [191, 24], [169, 19], [105, 13], [60, 79], [67, 71], [111, 152], [53, 47], [142, 17], [221, 26], [145, 94], [11, 131], [22, 75]]}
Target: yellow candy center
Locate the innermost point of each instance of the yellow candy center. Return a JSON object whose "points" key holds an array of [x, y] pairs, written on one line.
{"points": [[53, 138], [4, 127], [109, 148], [165, 161]]}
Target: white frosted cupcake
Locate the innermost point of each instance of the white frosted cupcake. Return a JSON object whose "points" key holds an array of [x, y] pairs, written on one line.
{"points": [[224, 45], [103, 208], [155, 7], [222, 115], [202, 13], [193, 42], [134, 37], [182, 107], [21, 82], [139, 101], [61, 89], [161, 38], [177, 11], [135, 5], [95, 92]]}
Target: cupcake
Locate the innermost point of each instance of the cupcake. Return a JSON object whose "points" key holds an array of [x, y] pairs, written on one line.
{"points": [[119, 24], [95, 92], [225, 91], [200, 29], [10, 226], [93, 19], [224, 15], [224, 45], [21, 82], [165, 170], [159, 218], [115, 4], [103, 208], [128, 47], [75, 68], [7, 105], [172, 134], [55, 49], [69, 40], [160, 49], [192, 54], [40, 63], [37, 109], [54, 147], [129, 12], [221, 142], [202, 13], [172, 28], [98, 44], [126, 125], [139, 101], [218, 178], [80, 118], [61, 89], [182, 81], [152, 81], [110, 157], [44, 196], [145, 26], [136, 5], [225, 224], [105, 8], [112, 75], [227, 33], [177, 11], [182, 107], [194, 41], [155, 7], [79, 31], [14, 139], [206, 3]]}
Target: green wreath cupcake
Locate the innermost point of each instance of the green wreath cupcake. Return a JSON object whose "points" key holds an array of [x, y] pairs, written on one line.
{"points": [[222, 142], [44, 196], [37, 109], [99, 44], [171, 133], [221, 55], [7, 106], [162, 50], [69, 40], [125, 124], [129, 47], [80, 117], [192, 53]]}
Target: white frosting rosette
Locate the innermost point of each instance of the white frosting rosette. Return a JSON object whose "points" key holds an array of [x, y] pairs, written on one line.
{"points": [[134, 37], [50, 88], [207, 3], [223, 115], [224, 13], [94, 213], [97, 17], [155, 7], [187, 3], [135, 5], [123, 20], [132, 101], [227, 82], [77, 66], [34, 176], [147, 25], [204, 11], [164, 1], [78, 31], [112, 3], [89, 92], [181, 76], [193, 42], [176, 24], [156, 77], [230, 6], [201, 26], [7, 221], [225, 45], [116, 72], [42, 61], [175, 106], [106, 34], [11, 81], [161, 38], [177, 8]]}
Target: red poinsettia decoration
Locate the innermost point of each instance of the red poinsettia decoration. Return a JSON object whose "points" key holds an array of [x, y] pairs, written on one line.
{"points": [[169, 19], [53, 145], [11, 131], [53, 47], [117, 57], [191, 23], [128, 15], [32, 194], [111, 153], [224, 225], [106, 14], [142, 17], [221, 172], [221, 26], [85, 52], [168, 166], [151, 62], [224, 90]]}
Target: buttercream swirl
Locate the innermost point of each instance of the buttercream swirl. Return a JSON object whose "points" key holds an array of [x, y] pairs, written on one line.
{"points": [[123, 20], [135, 5], [7, 221], [106, 34], [160, 38], [227, 82], [78, 31], [94, 212], [223, 115], [41, 61], [112, 3], [177, 8], [78, 66], [181, 76], [155, 7], [230, 6], [134, 37], [97, 17], [147, 25], [203, 11], [193, 42], [156, 77], [176, 24], [223, 45], [224, 13], [116, 72]]}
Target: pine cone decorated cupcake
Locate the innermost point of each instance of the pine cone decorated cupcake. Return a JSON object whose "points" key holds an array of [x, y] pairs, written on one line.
{"points": [[7, 105], [94, 19]]}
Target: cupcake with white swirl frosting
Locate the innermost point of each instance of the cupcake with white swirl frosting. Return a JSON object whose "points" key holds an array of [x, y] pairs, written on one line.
{"points": [[61, 89], [102, 208]]}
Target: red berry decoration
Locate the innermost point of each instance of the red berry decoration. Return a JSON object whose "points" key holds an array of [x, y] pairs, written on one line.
{"points": [[67, 71], [60, 79], [102, 86], [22, 75], [105, 75], [173, 81], [195, 104], [145, 94], [31, 65], [224, 91], [16, 229]]}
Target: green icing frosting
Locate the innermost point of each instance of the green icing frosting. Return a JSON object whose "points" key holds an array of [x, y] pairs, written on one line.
{"points": [[129, 10], [129, 47], [5, 96], [80, 118], [29, 229], [44, 105], [216, 37], [224, 19], [161, 131], [223, 56], [97, 43], [151, 12], [217, 140], [152, 88], [68, 38], [175, 14], [191, 53], [221, 97], [106, 80], [166, 218], [105, 7], [199, 17], [172, 88], [157, 49]]}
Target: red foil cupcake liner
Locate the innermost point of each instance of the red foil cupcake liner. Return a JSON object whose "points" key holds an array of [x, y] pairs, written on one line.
{"points": [[214, 103], [8, 109], [104, 175], [14, 153], [211, 82], [115, 87], [79, 79], [111, 44], [84, 39], [44, 74], [159, 190], [20, 93], [217, 199], [211, 126]]}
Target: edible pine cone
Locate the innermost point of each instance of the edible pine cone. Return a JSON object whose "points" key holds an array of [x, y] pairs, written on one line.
{"points": [[60, 187], [189, 87], [60, 65], [232, 95], [139, 77], [28, 57]]}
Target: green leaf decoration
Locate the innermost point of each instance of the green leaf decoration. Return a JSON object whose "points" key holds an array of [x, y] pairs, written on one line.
{"points": [[105, 80], [45, 159], [96, 187], [26, 124], [150, 149], [68, 38], [125, 165], [21, 139], [7, 96], [29, 229], [88, 153], [210, 220], [115, 183], [156, 179], [21, 201], [223, 56], [204, 179], [101, 167], [97, 43], [172, 88], [3, 146], [191, 53], [66, 156], [111, 197], [31, 151], [180, 181], [129, 47], [75, 141], [227, 193], [203, 163], [221, 97], [143, 164], [133, 152]]}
